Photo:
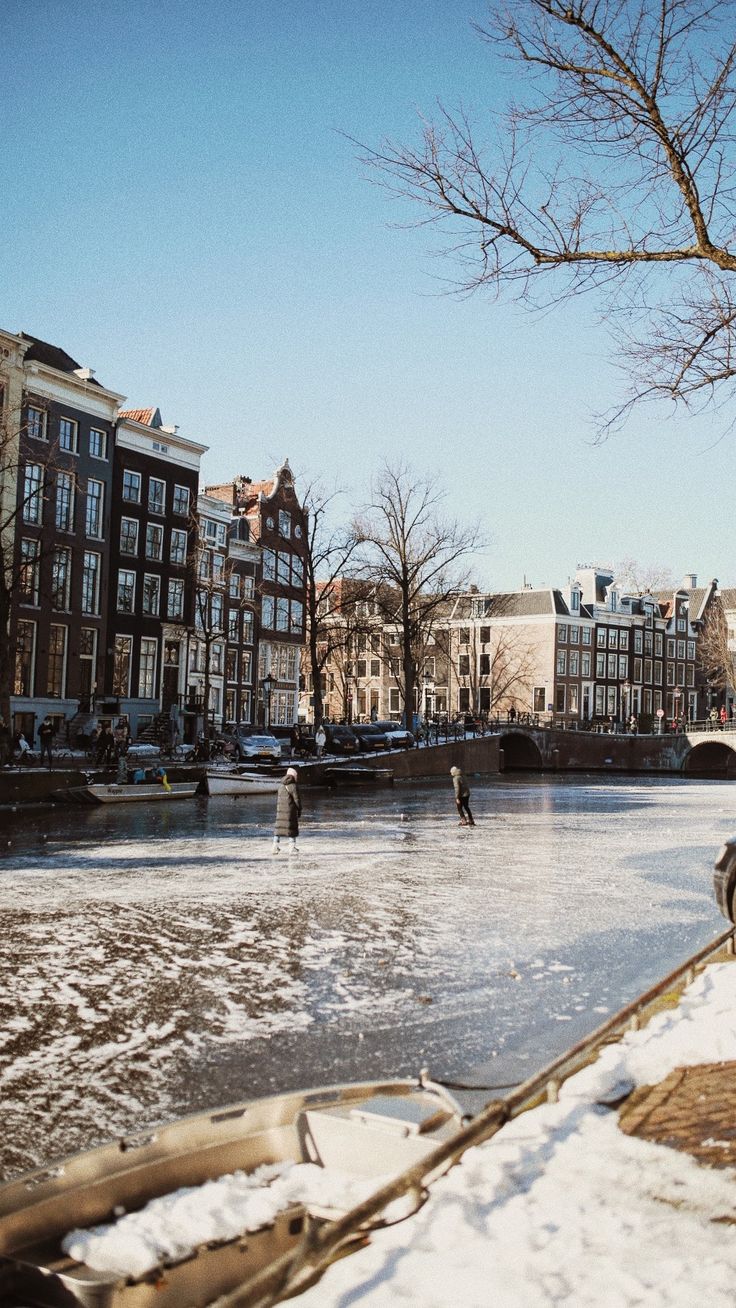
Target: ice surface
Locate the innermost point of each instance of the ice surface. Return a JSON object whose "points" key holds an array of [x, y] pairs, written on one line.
{"points": [[160, 962]]}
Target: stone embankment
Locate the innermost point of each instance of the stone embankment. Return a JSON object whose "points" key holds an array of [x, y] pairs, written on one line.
{"points": [[509, 750]]}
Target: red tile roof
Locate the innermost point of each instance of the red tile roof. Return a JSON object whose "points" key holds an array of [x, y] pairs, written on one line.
{"points": [[146, 416]]}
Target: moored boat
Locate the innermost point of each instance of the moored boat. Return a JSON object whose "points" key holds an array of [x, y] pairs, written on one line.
{"points": [[355, 776], [233, 782], [319, 1152], [155, 792]]}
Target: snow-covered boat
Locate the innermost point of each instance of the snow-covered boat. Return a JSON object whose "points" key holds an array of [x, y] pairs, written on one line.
{"points": [[233, 782], [155, 791], [262, 1170]]}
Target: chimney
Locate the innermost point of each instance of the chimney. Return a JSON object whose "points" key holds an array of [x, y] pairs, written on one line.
{"points": [[84, 374]]}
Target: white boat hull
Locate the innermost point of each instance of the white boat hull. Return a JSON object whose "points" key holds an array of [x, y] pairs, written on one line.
{"points": [[136, 794], [240, 783]]}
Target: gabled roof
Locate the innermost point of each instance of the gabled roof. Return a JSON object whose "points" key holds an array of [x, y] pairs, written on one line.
{"points": [[52, 356], [148, 417]]}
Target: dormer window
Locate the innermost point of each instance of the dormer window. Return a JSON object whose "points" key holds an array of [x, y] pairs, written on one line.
{"points": [[574, 601]]}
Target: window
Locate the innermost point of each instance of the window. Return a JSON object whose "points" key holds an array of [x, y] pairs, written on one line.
{"points": [[283, 570], [680, 649], [681, 674], [297, 570], [156, 495], [180, 503], [637, 670], [205, 565], [562, 663], [231, 665], [91, 582], [98, 443], [648, 642], [574, 662], [670, 648], [648, 670], [539, 699], [560, 699], [93, 511], [670, 674], [36, 423], [246, 665], [218, 569], [623, 640], [248, 627], [68, 435], [484, 665], [216, 660], [465, 635], [562, 633], [28, 579], [233, 624], [586, 635], [269, 565], [132, 487], [216, 613], [151, 594], [463, 666], [25, 640], [585, 669], [658, 644], [235, 586], [573, 699], [393, 700], [575, 601], [284, 523], [65, 501], [282, 614], [214, 531], [60, 578], [612, 638], [658, 674], [33, 493], [623, 667], [638, 641], [178, 550], [147, 668], [126, 591], [154, 541], [57, 662], [266, 612], [601, 636], [574, 635], [175, 600], [600, 666], [375, 667], [361, 668], [681, 624], [128, 535], [691, 649], [297, 612]]}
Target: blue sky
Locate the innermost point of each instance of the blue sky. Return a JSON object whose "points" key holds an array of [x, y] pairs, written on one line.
{"points": [[182, 212]]}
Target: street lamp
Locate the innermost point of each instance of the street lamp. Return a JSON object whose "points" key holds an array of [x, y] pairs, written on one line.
{"points": [[267, 684], [676, 697], [627, 691]]}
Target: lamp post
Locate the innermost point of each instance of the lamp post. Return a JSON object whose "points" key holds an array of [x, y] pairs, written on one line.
{"points": [[626, 688], [267, 685]]}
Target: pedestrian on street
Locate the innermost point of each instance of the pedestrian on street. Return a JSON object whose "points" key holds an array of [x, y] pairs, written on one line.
{"points": [[288, 812], [724, 716], [462, 797], [320, 740], [23, 749], [45, 739]]}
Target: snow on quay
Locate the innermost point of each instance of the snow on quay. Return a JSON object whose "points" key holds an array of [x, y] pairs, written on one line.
{"points": [[562, 1208]]}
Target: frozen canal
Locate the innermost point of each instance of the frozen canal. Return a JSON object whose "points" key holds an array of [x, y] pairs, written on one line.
{"points": [[160, 961]]}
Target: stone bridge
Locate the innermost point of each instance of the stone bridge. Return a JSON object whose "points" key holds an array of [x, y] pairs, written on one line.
{"points": [[545, 749]]}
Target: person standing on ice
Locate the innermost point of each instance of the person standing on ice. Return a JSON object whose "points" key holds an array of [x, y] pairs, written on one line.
{"points": [[288, 812], [462, 797]]}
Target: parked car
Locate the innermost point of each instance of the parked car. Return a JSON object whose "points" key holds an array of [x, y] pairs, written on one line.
{"points": [[371, 737], [247, 742], [399, 737], [341, 739]]}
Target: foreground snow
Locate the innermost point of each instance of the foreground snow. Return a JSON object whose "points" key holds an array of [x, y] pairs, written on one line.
{"points": [[562, 1208]]}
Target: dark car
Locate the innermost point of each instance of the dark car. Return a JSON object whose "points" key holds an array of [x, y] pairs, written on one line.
{"points": [[724, 879], [341, 739], [399, 737], [370, 737]]}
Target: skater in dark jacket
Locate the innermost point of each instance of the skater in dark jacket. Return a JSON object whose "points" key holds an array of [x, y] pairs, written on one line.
{"points": [[288, 812], [462, 797]]}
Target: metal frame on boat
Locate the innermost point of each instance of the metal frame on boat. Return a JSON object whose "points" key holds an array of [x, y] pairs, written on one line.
{"points": [[368, 1130]]}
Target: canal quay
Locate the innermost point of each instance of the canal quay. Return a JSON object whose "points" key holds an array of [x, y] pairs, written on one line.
{"points": [[159, 960]]}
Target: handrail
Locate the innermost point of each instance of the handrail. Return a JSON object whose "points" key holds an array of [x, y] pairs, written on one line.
{"points": [[298, 1268]]}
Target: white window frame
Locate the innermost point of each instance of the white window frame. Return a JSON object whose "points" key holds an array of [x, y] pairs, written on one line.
{"points": [[151, 595], [134, 483], [70, 427], [94, 571], [178, 545], [147, 664], [93, 528], [156, 505], [175, 611], [180, 493], [125, 572], [132, 535], [97, 431]]}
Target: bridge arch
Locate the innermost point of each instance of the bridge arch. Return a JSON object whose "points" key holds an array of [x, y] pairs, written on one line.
{"points": [[711, 758], [520, 752]]}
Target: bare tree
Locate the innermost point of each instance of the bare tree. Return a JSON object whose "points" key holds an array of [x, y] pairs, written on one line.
{"points": [[416, 560], [505, 669], [643, 579], [714, 654], [328, 553], [617, 172]]}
